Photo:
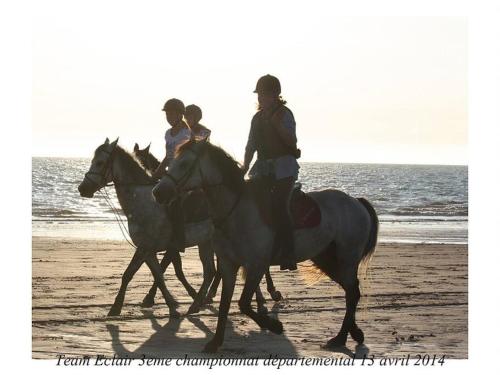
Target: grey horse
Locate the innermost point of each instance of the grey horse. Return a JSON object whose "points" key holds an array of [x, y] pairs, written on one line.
{"points": [[148, 224], [150, 163], [346, 235]]}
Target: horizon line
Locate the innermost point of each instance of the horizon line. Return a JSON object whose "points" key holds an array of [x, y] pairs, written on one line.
{"points": [[305, 161]]}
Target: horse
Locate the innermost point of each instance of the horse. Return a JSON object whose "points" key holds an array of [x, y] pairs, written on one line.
{"points": [[149, 226], [346, 235], [149, 162]]}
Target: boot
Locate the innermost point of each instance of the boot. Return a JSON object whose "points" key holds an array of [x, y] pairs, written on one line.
{"points": [[288, 260], [177, 218]]}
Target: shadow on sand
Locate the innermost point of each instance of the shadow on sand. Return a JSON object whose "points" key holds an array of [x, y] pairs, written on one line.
{"points": [[189, 334]]}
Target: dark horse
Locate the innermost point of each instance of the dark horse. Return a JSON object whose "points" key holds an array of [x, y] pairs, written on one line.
{"points": [[346, 235]]}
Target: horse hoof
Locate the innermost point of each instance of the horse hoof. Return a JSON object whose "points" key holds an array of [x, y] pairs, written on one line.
{"points": [[357, 335], [114, 311], [262, 310], [147, 302], [276, 296], [211, 347], [337, 341], [275, 326]]}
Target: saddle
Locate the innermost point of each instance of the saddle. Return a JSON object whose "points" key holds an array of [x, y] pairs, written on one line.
{"points": [[304, 210]]}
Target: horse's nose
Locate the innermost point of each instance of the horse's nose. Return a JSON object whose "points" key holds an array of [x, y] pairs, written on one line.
{"points": [[84, 191]]}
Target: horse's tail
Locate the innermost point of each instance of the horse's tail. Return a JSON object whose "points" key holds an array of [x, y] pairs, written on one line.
{"points": [[372, 238]]}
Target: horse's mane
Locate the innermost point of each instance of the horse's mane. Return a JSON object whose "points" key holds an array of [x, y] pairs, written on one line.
{"points": [[232, 175], [149, 160], [153, 160], [131, 164]]}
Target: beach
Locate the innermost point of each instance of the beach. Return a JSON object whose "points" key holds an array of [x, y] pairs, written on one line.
{"points": [[415, 301]]}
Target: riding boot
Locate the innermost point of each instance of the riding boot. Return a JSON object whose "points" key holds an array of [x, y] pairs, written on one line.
{"points": [[284, 225], [176, 216], [288, 259]]}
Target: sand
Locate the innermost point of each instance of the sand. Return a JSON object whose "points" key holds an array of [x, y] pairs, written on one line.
{"points": [[415, 303]]}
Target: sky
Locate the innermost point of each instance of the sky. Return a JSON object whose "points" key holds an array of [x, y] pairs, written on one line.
{"points": [[362, 89]]}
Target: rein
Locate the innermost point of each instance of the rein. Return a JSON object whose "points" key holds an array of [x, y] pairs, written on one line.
{"points": [[121, 224], [102, 185]]}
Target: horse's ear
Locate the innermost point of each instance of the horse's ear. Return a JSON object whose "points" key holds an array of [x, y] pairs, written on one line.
{"points": [[106, 142], [115, 142], [136, 147], [147, 148]]}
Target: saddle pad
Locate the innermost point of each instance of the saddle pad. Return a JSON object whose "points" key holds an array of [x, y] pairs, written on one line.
{"points": [[304, 210]]}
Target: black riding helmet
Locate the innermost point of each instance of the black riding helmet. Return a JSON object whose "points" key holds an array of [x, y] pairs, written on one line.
{"points": [[268, 84], [174, 105]]}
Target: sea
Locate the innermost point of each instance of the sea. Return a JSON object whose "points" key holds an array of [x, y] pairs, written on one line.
{"points": [[415, 203]]}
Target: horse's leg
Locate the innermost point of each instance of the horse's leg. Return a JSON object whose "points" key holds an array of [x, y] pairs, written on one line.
{"points": [[149, 300], [207, 260], [275, 294], [155, 268], [261, 301], [348, 279], [228, 272], [254, 276], [129, 273], [213, 288], [180, 275]]}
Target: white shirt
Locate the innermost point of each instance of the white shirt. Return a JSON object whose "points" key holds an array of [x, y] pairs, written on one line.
{"points": [[172, 142]]}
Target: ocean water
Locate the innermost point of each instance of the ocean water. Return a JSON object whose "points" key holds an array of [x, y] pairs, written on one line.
{"points": [[415, 203]]}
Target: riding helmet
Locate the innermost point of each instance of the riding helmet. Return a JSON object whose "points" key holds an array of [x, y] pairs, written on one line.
{"points": [[268, 84], [174, 105]]}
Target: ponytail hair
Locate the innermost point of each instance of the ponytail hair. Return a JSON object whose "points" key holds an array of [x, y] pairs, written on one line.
{"points": [[280, 99]]}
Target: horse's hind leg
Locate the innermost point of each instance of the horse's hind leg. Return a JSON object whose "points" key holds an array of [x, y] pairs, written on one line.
{"points": [[155, 268], [275, 294], [348, 279], [149, 300], [129, 273], [254, 276], [175, 258]]}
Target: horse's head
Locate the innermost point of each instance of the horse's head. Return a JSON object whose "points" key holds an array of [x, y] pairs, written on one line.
{"points": [[184, 172], [145, 158], [100, 172]]}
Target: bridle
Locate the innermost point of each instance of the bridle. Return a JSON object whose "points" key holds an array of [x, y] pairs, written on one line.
{"points": [[105, 171], [204, 184]]}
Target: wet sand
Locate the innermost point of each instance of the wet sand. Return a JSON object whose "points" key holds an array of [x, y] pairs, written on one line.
{"points": [[415, 303]]}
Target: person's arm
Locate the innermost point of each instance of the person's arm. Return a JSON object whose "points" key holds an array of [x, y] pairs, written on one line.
{"points": [[250, 148], [284, 123], [160, 171]]}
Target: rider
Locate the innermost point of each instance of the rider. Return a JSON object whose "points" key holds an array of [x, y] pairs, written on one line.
{"points": [[178, 134], [193, 116], [272, 135]]}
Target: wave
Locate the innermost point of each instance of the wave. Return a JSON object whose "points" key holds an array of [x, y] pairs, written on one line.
{"points": [[56, 213]]}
